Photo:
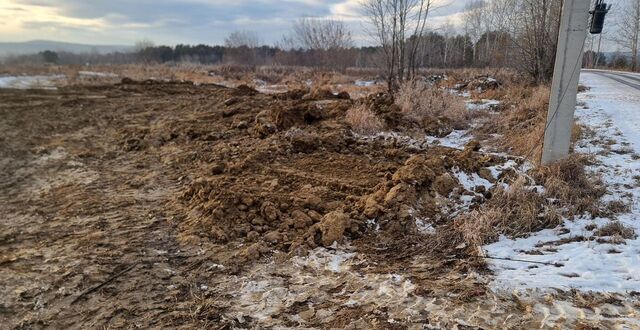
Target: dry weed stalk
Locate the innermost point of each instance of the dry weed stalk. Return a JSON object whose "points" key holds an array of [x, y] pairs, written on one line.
{"points": [[521, 125], [518, 209], [420, 101], [514, 211], [568, 182], [616, 229], [363, 120]]}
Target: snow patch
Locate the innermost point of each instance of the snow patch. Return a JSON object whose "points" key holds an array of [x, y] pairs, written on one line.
{"points": [[611, 112], [97, 74], [484, 104], [31, 82], [364, 83]]}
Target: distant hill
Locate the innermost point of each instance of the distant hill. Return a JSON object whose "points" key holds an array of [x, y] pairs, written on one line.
{"points": [[36, 46]]}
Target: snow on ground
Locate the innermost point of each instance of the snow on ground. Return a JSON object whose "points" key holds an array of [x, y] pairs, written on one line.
{"points": [[28, 82], [483, 104], [612, 111], [364, 83], [457, 139], [97, 74]]}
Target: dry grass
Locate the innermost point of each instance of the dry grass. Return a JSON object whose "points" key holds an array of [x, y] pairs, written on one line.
{"points": [[616, 229], [420, 101], [568, 182], [522, 122], [363, 120], [582, 88], [514, 212], [518, 210], [272, 78]]}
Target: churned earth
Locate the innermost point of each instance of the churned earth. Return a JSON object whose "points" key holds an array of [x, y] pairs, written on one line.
{"points": [[155, 204]]}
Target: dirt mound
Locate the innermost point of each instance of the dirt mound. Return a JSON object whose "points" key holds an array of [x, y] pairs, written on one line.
{"points": [[293, 94], [383, 105], [297, 178], [288, 174], [244, 90]]}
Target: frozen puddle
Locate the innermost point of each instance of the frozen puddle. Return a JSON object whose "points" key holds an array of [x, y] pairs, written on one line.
{"points": [[589, 262], [31, 82]]}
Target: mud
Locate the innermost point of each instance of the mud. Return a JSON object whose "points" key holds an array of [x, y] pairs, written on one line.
{"points": [[203, 206]]}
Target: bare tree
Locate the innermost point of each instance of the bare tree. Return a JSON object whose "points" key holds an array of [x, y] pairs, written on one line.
{"points": [[533, 26], [397, 26], [242, 38], [449, 33], [474, 13], [321, 34], [242, 47], [628, 33], [522, 32], [327, 42], [142, 50], [488, 23]]}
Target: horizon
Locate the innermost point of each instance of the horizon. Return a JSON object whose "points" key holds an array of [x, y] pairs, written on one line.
{"points": [[174, 22], [193, 22]]}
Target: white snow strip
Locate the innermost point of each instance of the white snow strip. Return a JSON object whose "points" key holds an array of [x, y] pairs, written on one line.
{"points": [[612, 110], [364, 83], [457, 139], [97, 74], [30, 82], [471, 181], [482, 105], [424, 227]]}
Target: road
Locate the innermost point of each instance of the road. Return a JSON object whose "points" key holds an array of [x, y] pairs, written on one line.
{"points": [[616, 95], [626, 78]]}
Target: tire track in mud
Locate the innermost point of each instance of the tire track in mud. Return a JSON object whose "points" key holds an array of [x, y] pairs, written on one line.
{"points": [[63, 233]]}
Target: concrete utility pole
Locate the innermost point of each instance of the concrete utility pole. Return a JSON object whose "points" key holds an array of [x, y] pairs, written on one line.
{"points": [[564, 89]]}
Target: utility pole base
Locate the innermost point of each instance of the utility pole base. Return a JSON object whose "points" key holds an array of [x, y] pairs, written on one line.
{"points": [[566, 74]]}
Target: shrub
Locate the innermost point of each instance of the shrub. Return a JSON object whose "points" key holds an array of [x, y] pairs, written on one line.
{"points": [[419, 101], [616, 229], [363, 120], [568, 182]]}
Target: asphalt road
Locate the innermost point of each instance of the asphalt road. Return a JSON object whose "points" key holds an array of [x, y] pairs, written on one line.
{"points": [[626, 78]]}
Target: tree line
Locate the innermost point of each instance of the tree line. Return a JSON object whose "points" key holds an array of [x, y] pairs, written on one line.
{"points": [[520, 34]]}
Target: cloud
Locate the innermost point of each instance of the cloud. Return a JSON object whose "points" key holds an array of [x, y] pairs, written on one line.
{"points": [[171, 21]]}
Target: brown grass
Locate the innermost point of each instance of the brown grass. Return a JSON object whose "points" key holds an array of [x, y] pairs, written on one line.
{"points": [[420, 101], [518, 211], [568, 182], [522, 121], [616, 229], [513, 212], [363, 120]]}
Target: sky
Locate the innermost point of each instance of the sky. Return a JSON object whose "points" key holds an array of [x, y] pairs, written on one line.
{"points": [[170, 22]]}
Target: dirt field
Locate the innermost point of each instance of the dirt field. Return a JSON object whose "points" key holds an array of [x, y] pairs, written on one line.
{"points": [[149, 204]]}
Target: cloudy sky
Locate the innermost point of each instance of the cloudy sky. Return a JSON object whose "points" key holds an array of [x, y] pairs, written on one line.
{"points": [[124, 22]]}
